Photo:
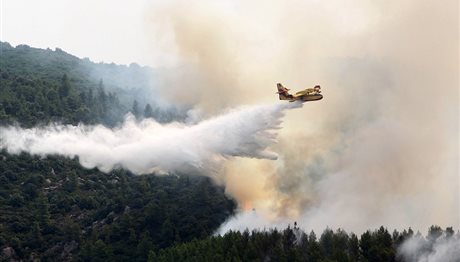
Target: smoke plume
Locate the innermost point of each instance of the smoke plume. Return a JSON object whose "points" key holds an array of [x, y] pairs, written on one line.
{"points": [[418, 249], [381, 148]]}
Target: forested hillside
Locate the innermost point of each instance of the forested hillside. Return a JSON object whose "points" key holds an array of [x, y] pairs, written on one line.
{"points": [[42, 86], [53, 209]]}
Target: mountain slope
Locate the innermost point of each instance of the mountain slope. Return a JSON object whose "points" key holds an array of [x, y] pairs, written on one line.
{"points": [[53, 209]]}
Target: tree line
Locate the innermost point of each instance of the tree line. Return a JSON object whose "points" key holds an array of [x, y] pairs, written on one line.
{"points": [[293, 244]]}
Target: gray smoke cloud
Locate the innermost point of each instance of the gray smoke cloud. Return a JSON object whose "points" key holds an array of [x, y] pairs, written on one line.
{"points": [[147, 146], [418, 249], [380, 149]]}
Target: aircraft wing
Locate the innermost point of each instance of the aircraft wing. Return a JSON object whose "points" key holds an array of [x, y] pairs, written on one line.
{"points": [[301, 93]]}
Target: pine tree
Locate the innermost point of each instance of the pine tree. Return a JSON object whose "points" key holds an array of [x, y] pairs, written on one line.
{"points": [[135, 109], [64, 88], [314, 252], [43, 211], [101, 99], [37, 237], [353, 247], [148, 112], [101, 252], [71, 185], [89, 98]]}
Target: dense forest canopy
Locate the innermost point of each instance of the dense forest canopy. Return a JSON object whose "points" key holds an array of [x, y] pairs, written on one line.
{"points": [[53, 207]]}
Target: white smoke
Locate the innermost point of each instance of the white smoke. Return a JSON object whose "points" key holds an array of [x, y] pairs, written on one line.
{"points": [[147, 146], [382, 144], [250, 220], [442, 249]]}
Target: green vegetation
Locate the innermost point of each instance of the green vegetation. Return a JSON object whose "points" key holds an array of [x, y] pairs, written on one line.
{"points": [[293, 244], [54, 209], [41, 86]]}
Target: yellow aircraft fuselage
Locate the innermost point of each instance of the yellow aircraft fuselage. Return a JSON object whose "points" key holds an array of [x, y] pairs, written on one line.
{"points": [[306, 95]]}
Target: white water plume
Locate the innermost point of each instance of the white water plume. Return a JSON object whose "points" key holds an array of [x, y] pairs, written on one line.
{"points": [[147, 146]]}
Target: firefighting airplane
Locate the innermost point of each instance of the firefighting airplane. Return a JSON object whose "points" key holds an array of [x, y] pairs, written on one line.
{"points": [[309, 94]]}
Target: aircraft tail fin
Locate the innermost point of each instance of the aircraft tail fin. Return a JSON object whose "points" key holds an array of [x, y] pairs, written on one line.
{"points": [[283, 92]]}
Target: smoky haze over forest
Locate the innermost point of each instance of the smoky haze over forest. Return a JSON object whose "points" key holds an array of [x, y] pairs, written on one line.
{"points": [[383, 141], [380, 148]]}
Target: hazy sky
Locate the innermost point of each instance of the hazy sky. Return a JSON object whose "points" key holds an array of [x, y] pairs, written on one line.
{"points": [[121, 31], [104, 30]]}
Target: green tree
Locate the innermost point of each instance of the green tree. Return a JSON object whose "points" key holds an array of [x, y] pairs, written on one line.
{"points": [[90, 97], [71, 184], [353, 247], [326, 242], [64, 88], [135, 109], [101, 100], [36, 236], [148, 111], [144, 245], [365, 244], [43, 211], [314, 250], [101, 252], [54, 103]]}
